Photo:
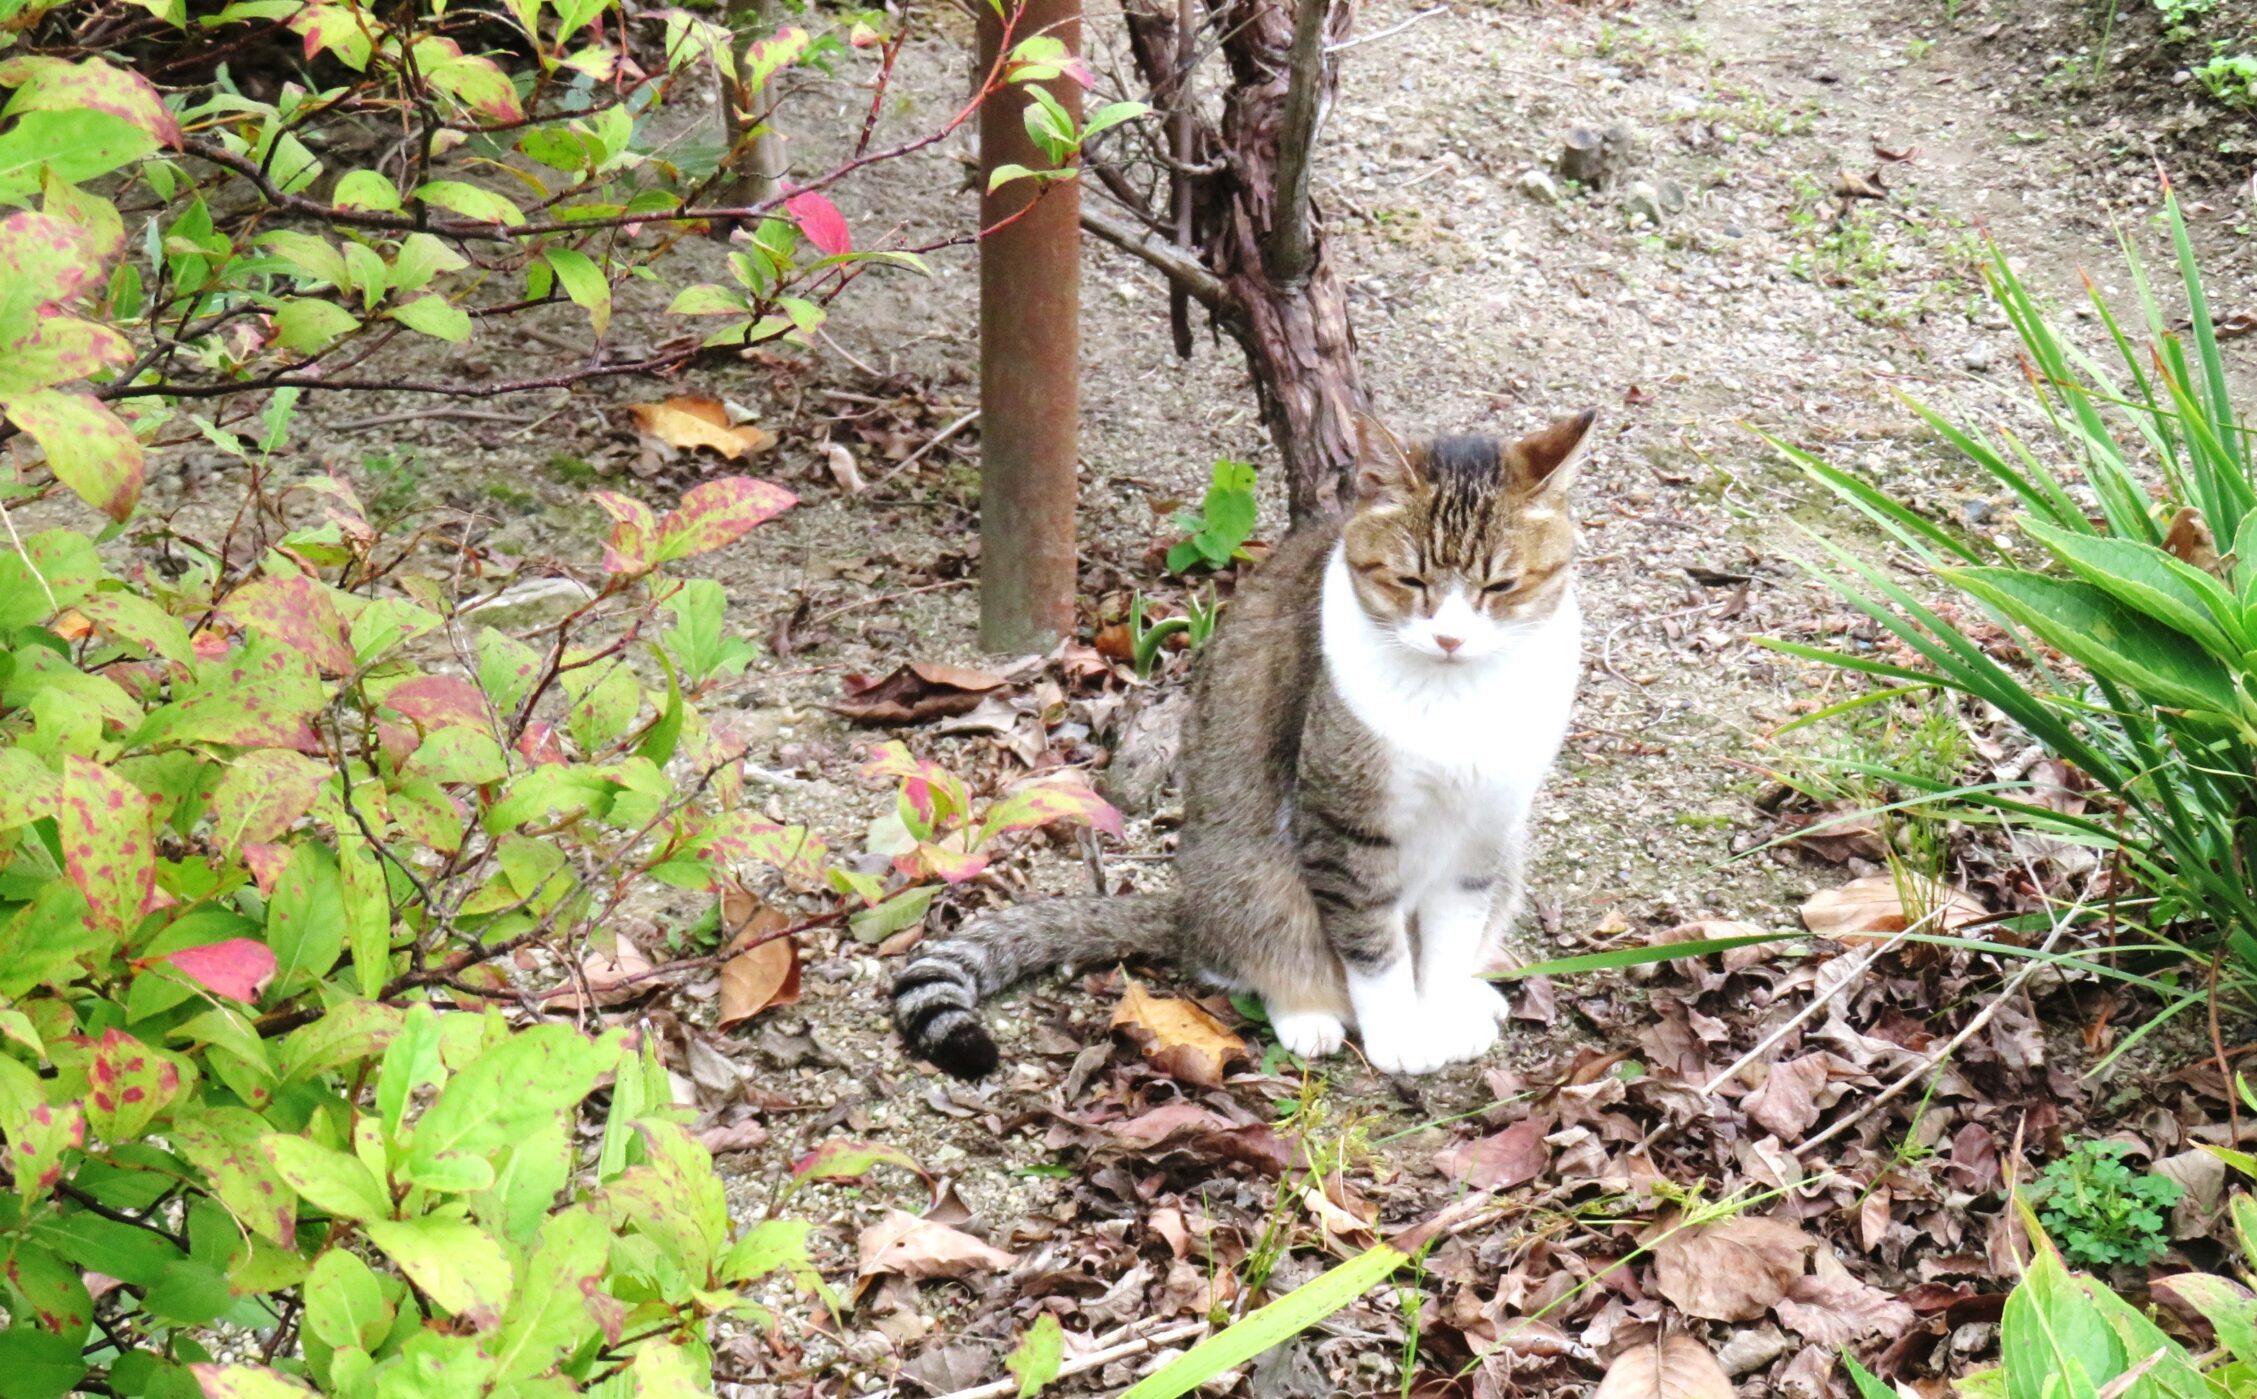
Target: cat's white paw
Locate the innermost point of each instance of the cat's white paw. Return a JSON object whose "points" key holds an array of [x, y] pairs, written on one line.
{"points": [[1312, 1034], [1450, 1026]]}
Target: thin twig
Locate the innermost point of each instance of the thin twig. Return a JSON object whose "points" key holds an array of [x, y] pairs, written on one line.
{"points": [[860, 603], [409, 415], [937, 438], [1389, 32]]}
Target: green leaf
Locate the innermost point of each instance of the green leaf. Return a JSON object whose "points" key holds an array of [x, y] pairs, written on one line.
{"points": [[59, 1301], [226, 1144], [470, 201], [585, 283], [1035, 1363], [434, 316], [2105, 637], [74, 147], [552, 1314], [421, 258], [1273, 1325], [706, 299], [191, 1293], [365, 189], [135, 620], [460, 755], [305, 920], [109, 846], [123, 1251], [2151, 583], [88, 448], [517, 1086], [329, 1180], [905, 909], [36, 1364], [345, 1306], [457, 1264], [247, 1382], [1110, 115], [1869, 1385], [2228, 1306], [308, 326]]}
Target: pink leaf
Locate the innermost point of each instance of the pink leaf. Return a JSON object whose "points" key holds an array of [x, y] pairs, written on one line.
{"points": [[633, 531], [266, 863], [238, 968], [297, 612], [939, 862], [820, 220], [438, 702], [718, 513], [540, 744], [1039, 804]]}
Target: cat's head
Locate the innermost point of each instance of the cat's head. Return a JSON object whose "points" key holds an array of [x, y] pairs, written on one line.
{"points": [[1460, 542]]}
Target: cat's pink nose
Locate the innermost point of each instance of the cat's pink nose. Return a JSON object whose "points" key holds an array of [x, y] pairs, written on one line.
{"points": [[1449, 644]]}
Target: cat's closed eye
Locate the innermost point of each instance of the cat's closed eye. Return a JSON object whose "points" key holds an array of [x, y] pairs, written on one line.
{"points": [[1407, 581], [1498, 587]]}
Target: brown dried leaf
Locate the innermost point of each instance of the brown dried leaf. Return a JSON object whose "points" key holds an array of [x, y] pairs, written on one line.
{"points": [[609, 979], [1835, 1310], [1875, 905], [764, 974], [688, 423], [1505, 1159], [1180, 1038], [1677, 1367], [915, 693], [919, 1249], [1788, 1102], [1731, 1270]]}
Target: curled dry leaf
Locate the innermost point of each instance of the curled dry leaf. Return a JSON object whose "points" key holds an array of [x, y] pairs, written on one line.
{"points": [[915, 693], [689, 423], [1676, 1367], [1877, 906], [1178, 1036], [766, 972], [1732, 1270], [608, 978], [917, 1249]]}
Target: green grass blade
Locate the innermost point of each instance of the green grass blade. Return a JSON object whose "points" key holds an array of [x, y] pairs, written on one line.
{"points": [[1639, 956], [1273, 1325]]}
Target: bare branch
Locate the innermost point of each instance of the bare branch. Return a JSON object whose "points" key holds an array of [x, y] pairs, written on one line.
{"points": [[1290, 250], [1181, 267]]}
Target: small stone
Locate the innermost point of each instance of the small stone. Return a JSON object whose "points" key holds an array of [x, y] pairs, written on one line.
{"points": [[1538, 186], [1976, 511], [1733, 230], [1672, 196], [1978, 357]]}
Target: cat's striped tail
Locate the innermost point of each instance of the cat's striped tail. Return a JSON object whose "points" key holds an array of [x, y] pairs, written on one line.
{"points": [[936, 996]]}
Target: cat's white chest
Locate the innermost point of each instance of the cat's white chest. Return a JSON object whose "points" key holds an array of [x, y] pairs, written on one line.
{"points": [[1465, 742]]}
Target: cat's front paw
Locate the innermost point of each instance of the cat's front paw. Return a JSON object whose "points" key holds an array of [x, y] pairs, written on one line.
{"points": [[1312, 1034], [1454, 1023]]}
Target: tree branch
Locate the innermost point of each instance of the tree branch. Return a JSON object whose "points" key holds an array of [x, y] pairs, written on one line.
{"points": [[1181, 267], [1290, 251]]}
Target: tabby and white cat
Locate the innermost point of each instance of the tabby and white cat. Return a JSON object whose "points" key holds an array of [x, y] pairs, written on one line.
{"points": [[1370, 724]]}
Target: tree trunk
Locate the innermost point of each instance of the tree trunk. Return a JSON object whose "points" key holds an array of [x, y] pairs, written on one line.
{"points": [[1030, 352], [1254, 226]]}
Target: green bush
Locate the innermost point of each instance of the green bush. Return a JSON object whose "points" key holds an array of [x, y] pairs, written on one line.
{"points": [[2122, 637]]}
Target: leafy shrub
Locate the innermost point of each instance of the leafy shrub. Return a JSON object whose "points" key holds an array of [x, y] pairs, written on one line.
{"points": [[2102, 1211], [267, 832], [533, 170], [1221, 525], [2136, 664]]}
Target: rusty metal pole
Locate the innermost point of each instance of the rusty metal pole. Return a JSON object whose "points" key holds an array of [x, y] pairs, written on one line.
{"points": [[1030, 360]]}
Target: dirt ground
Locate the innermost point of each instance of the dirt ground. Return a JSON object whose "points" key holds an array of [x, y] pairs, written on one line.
{"points": [[1486, 299]]}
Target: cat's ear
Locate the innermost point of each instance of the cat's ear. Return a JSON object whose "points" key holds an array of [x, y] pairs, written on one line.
{"points": [[1384, 466], [1544, 462]]}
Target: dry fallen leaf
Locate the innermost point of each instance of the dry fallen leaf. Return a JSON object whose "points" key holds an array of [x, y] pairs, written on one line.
{"points": [[1731, 1270], [919, 1249], [915, 693], [844, 472], [764, 974], [1792, 1095], [1875, 905], [1835, 1310], [1678, 1367], [611, 979], [689, 423], [1500, 1161], [1178, 1036]]}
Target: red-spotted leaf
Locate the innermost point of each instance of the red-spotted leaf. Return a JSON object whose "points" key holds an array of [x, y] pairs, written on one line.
{"points": [[263, 793], [108, 849], [634, 533], [255, 697], [36, 1145], [438, 702], [47, 253], [297, 612], [718, 513], [238, 968], [46, 84], [88, 448], [930, 790], [338, 29], [50, 350], [128, 1084], [820, 222], [134, 619], [540, 744], [266, 863], [224, 1143], [740, 838], [476, 83], [1065, 799], [247, 1382], [929, 861]]}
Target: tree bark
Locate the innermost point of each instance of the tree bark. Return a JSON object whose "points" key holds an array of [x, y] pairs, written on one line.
{"points": [[1030, 352]]}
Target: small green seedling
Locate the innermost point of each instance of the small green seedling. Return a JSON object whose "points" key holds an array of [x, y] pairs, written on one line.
{"points": [[1221, 525]]}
